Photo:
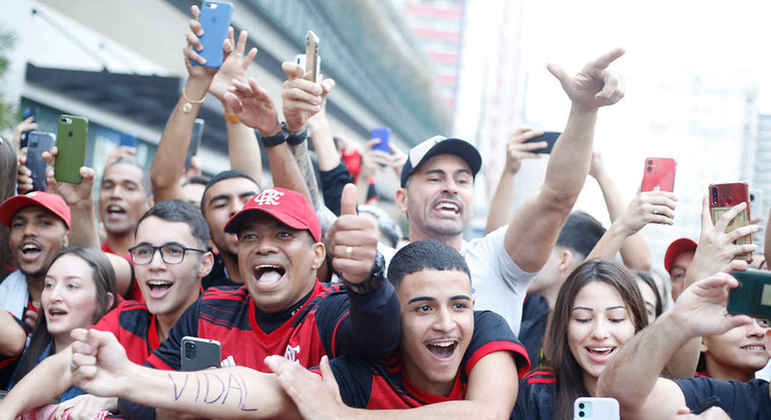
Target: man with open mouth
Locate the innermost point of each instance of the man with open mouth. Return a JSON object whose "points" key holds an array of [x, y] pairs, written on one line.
{"points": [[440, 345]]}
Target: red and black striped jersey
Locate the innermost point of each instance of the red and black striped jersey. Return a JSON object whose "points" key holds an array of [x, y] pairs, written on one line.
{"points": [[230, 316], [535, 399], [384, 385], [134, 327]]}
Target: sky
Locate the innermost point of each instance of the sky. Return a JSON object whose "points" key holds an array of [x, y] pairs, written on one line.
{"points": [[670, 46]]}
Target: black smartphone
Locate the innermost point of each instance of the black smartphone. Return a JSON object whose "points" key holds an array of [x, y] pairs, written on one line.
{"points": [[38, 142], [29, 111], [200, 353], [753, 295], [550, 137], [195, 140]]}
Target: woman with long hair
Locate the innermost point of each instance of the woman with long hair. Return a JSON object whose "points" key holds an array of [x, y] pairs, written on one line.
{"points": [[598, 309], [79, 289]]}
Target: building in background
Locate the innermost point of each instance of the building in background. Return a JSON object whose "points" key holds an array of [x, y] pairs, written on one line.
{"points": [[438, 27], [120, 65]]}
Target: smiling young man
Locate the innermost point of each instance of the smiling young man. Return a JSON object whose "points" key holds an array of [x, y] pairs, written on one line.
{"points": [[427, 375], [124, 196]]}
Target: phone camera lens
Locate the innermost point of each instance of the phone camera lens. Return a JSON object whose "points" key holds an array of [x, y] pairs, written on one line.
{"points": [[581, 405], [581, 414], [649, 169], [190, 350], [650, 162], [70, 134]]}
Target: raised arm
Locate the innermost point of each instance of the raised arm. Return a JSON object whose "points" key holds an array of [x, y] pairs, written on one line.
{"points": [[243, 148], [169, 163], [102, 368], [533, 230], [631, 376], [634, 251], [646, 207], [502, 202]]}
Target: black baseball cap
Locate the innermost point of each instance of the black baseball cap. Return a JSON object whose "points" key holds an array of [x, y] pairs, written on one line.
{"points": [[440, 145]]}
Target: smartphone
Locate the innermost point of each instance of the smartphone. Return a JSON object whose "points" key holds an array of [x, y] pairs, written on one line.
{"points": [[200, 353], [28, 112], [659, 175], [39, 142], [753, 295], [724, 196], [127, 140], [550, 137], [215, 21], [312, 59], [592, 408], [195, 140], [382, 133], [71, 142]]}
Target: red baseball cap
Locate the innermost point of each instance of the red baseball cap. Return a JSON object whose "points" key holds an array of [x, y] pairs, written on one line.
{"points": [[51, 202], [288, 206], [677, 247]]}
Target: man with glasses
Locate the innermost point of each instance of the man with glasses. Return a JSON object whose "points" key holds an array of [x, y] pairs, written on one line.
{"points": [[169, 262]]}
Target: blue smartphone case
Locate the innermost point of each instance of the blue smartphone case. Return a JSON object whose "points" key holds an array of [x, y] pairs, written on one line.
{"points": [[215, 20], [39, 142], [382, 133]]}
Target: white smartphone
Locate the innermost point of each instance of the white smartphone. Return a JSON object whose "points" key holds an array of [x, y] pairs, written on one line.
{"points": [[200, 353], [591, 408], [312, 62]]}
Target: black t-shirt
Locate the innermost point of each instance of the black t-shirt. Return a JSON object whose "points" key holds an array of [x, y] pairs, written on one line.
{"points": [[218, 276], [535, 399], [535, 314], [740, 400]]}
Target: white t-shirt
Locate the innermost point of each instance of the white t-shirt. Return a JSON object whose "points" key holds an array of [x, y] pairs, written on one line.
{"points": [[498, 283]]}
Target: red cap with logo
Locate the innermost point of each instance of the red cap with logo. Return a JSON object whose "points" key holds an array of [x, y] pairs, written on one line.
{"points": [[677, 247], [51, 202], [288, 206]]}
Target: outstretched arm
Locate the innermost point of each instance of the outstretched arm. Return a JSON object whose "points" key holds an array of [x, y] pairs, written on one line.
{"points": [[49, 379], [169, 164], [533, 230], [102, 368], [502, 201], [13, 335], [631, 376], [634, 250]]}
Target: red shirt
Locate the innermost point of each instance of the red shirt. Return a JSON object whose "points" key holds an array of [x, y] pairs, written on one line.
{"points": [[134, 327]]}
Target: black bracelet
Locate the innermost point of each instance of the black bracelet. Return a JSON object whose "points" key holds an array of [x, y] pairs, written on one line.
{"points": [[275, 139], [296, 138], [374, 280]]}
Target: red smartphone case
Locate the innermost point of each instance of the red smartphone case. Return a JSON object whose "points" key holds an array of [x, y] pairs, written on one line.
{"points": [[659, 175], [724, 196]]}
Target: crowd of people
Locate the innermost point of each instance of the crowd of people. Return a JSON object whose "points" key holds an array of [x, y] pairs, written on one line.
{"points": [[326, 309]]}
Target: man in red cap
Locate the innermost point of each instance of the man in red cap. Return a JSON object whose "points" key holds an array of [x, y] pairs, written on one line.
{"points": [[676, 261], [282, 309]]}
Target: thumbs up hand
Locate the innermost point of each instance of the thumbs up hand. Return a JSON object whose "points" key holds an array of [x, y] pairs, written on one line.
{"points": [[352, 240]]}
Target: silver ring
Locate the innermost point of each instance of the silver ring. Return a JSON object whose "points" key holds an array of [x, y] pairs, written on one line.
{"points": [[349, 251], [73, 366]]}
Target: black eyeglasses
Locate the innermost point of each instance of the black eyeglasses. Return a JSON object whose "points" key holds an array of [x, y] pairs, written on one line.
{"points": [[171, 253]]}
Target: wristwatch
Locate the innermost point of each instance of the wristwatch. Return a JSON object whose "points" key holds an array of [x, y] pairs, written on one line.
{"points": [[374, 280], [296, 138], [275, 139]]}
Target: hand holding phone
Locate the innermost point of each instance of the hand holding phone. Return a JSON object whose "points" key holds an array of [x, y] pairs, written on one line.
{"points": [[659, 175], [215, 21], [753, 295], [384, 134], [71, 143], [550, 137], [722, 197], [195, 141], [199, 353]]}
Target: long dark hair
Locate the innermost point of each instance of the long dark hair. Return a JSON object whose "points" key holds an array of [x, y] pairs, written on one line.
{"points": [[7, 189], [646, 277], [569, 374], [103, 277]]}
